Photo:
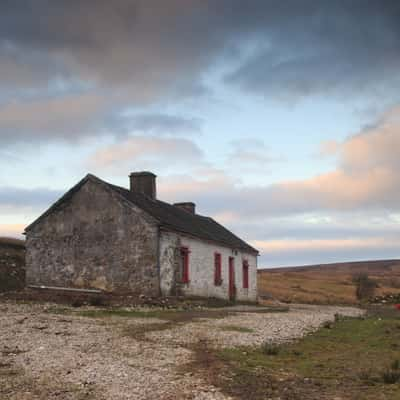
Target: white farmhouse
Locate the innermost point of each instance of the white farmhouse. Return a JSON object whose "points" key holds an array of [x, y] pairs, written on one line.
{"points": [[102, 236]]}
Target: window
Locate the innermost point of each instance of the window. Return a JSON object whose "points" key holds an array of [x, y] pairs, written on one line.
{"points": [[217, 269], [245, 274], [185, 264]]}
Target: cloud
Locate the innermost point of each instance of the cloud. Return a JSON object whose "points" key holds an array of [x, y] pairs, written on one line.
{"points": [[68, 117], [250, 153], [132, 54], [160, 124], [301, 252], [143, 152], [312, 245], [71, 117], [366, 178], [17, 198], [319, 48]]}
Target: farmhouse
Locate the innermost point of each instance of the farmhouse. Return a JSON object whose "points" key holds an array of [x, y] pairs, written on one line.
{"points": [[102, 236]]}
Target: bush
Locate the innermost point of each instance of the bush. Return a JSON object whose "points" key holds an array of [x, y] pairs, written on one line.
{"points": [[395, 365], [365, 286], [391, 376], [97, 301], [367, 377], [77, 303], [327, 325], [394, 283], [270, 349]]}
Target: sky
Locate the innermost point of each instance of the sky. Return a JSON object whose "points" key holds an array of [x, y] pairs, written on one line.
{"points": [[281, 119]]}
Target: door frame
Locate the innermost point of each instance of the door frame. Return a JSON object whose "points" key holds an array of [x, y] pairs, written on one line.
{"points": [[232, 287]]}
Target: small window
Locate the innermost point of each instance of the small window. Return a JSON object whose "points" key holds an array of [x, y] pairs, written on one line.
{"points": [[185, 264], [217, 269], [245, 274]]}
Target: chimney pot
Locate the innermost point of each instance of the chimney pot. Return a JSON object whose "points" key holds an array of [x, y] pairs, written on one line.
{"points": [[187, 206], [143, 182]]}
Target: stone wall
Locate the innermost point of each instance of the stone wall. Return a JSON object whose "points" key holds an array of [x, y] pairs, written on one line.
{"points": [[95, 240], [201, 268]]}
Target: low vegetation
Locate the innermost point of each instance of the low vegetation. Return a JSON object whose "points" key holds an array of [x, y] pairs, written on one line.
{"points": [[12, 264], [331, 284], [166, 314], [354, 356], [234, 328], [365, 286]]}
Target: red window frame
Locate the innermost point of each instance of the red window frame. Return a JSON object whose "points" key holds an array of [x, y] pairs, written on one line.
{"points": [[217, 269], [185, 264], [245, 274]]}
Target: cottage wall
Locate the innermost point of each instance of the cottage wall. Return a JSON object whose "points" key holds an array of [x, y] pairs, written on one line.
{"points": [[201, 268], [95, 240]]}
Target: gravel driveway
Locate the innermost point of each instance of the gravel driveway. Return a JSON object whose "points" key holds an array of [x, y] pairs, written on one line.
{"points": [[45, 355]]}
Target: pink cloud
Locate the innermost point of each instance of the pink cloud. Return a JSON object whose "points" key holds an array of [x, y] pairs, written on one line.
{"points": [[321, 245], [366, 177], [146, 152]]}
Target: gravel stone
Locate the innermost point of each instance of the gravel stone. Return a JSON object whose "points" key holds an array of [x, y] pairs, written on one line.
{"points": [[95, 355]]}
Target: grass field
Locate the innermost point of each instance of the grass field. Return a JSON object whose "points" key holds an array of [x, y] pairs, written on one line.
{"points": [[350, 359], [328, 284]]}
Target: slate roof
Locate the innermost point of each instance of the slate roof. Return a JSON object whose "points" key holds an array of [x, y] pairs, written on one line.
{"points": [[169, 217]]}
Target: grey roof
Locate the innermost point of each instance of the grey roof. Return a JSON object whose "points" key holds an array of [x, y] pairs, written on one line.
{"points": [[169, 217]]}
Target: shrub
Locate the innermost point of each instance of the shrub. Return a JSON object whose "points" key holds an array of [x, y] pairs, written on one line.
{"points": [[97, 301], [395, 365], [327, 325], [366, 377], [77, 303], [270, 349], [365, 286], [391, 376], [394, 283]]}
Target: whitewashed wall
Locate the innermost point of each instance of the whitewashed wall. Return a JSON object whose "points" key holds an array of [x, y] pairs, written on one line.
{"points": [[201, 268]]}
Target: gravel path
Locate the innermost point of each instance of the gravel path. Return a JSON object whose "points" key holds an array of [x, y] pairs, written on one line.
{"points": [[43, 355]]}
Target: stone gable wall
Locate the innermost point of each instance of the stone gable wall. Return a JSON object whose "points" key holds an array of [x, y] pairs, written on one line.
{"points": [[96, 240]]}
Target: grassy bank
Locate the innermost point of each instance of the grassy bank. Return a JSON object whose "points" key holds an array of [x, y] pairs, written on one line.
{"points": [[351, 359]]}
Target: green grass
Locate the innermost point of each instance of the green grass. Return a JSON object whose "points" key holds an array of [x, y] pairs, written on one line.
{"points": [[354, 356], [235, 328], [176, 315], [105, 313]]}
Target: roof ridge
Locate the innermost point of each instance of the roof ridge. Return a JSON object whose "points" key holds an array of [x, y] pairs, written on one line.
{"points": [[166, 214]]}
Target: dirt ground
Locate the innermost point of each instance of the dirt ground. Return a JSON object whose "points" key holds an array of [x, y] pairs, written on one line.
{"points": [[53, 352]]}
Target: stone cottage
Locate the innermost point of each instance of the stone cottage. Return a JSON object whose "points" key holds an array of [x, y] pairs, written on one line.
{"points": [[102, 236]]}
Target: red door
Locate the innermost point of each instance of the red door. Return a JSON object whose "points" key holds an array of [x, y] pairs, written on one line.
{"points": [[231, 278]]}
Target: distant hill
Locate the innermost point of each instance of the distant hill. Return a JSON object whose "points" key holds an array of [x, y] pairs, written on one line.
{"points": [[11, 242], [12, 264], [327, 283]]}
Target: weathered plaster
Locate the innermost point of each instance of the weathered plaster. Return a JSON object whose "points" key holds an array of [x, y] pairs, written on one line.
{"points": [[201, 268]]}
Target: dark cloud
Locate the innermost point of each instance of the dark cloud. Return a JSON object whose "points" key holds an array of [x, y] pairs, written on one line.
{"points": [[133, 53], [341, 47]]}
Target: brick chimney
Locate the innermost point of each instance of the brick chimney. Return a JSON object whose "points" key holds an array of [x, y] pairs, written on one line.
{"points": [[143, 182], [187, 206]]}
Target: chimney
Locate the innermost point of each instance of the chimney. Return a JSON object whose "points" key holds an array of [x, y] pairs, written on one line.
{"points": [[143, 182], [187, 206]]}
